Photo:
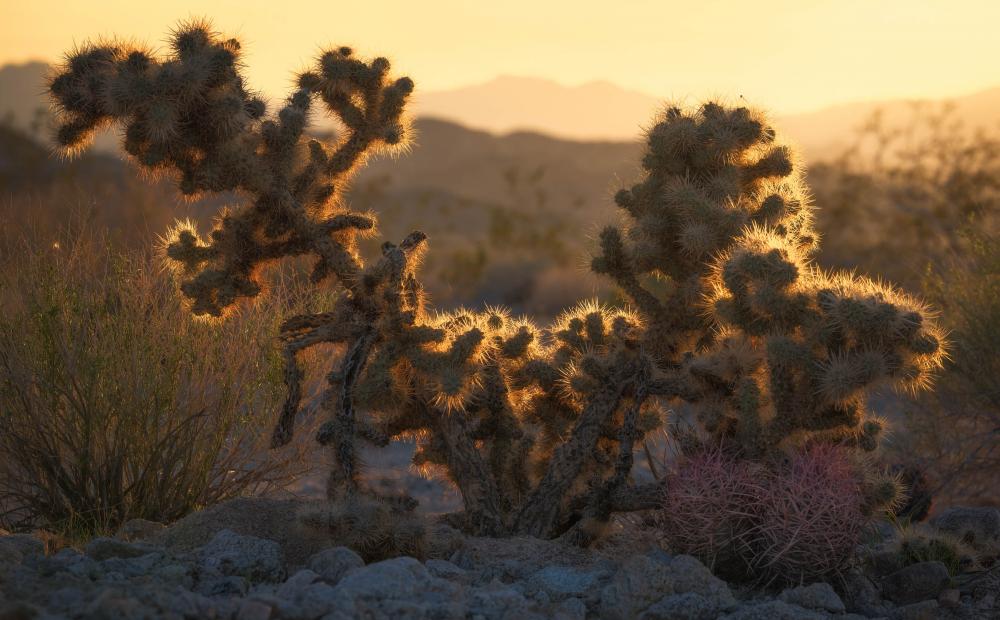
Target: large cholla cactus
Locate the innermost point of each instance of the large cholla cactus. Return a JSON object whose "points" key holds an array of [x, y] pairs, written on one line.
{"points": [[536, 427], [771, 351]]}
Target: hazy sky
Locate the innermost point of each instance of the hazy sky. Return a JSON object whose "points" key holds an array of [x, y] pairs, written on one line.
{"points": [[788, 55]]}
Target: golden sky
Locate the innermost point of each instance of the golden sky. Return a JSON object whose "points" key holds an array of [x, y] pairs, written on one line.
{"points": [[788, 55]]}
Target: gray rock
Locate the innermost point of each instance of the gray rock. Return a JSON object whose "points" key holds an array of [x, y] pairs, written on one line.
{"points": [[307, 590], [446, 570], [25, 545], [561, 582], [496, 601], [139, 529], [104, 548], [924, 610], [253, 610], [774, 610], [645, 580], [686, 606], [216, 584], [400, 587], [570, 609], [979, 527], [861, 595], [253, 558], [815, 596], [915, 583], [333, 563]]}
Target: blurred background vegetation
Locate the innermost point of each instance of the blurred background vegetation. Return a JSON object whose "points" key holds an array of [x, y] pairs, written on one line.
{"points": [[108, 387]]}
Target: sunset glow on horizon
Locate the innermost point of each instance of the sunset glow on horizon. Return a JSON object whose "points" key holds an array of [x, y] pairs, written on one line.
{"points": [[790, 56]]}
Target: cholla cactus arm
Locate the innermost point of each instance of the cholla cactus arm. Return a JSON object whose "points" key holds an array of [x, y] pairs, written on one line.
{"points": [[191, 114]]}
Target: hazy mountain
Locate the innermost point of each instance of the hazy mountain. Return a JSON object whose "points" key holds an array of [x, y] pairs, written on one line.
{"points": [[592, 111], [596, 112]]}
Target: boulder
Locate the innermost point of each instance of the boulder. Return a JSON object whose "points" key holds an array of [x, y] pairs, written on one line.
{"points": [[333, 563], [915, 583], [645, 580], [819, 596], [978, 527], [254, 559]]}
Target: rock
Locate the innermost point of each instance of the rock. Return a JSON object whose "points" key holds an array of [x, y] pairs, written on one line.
{"points": [[860, 594], [818, 596], [18, 610], [333, 563], [253, 610], [978, 527], [400, 587], [139, 529], [570, 609], [924, 610], [561, 582], [25, 545], [215, 584], [950, 598], [498, 601], [915, 583], [309, 593], [446, 570], [774, 610], [687, 606], [643, 581], [104, 548], [253, 558], [443, 541]]}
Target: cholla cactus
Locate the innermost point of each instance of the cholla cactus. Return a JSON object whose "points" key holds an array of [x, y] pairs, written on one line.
{"points": [[771, 351], [536, 427]]}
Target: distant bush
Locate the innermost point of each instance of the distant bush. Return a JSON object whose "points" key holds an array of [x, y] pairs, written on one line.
{"points": [[115, 403], [954, 431]]}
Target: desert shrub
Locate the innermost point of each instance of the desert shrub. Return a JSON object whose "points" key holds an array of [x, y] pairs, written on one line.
{"points": [[536, 427], [917, 543], [954, 432], [115, 403]]}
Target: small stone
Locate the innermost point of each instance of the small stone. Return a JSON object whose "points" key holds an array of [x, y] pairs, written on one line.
{"points": [[446, 570], [815, 596], [924, 610], [686, 606], [950, 598], [774, 610], [333, 563], [915, 583], [253, 610], [561, 582], [570, 609]]}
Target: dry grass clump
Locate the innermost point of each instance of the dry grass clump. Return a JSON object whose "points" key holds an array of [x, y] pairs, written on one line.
{"points": [[115, 403]]}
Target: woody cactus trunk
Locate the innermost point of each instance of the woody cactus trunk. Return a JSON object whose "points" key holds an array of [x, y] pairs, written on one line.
{"points": [[536, 427]]}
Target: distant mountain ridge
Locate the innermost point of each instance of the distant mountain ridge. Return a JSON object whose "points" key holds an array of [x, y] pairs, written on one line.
{"points": [[593, 112]]}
